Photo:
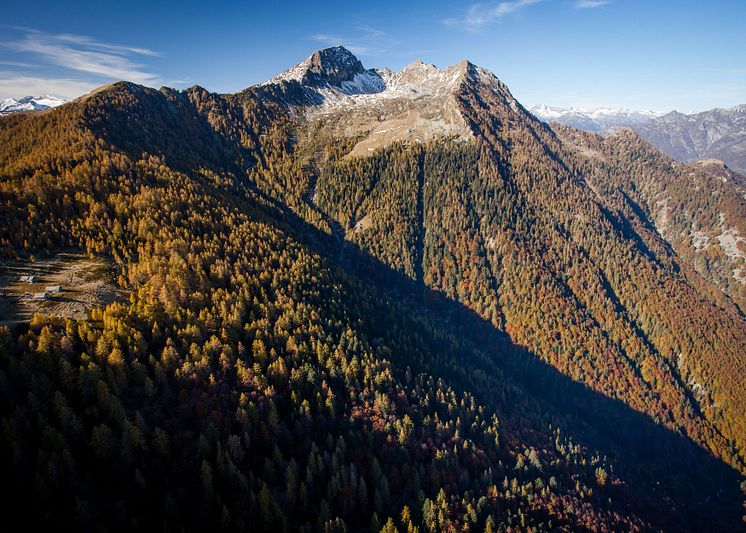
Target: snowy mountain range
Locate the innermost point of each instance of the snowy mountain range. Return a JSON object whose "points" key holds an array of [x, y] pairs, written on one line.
{"points": [[335, 74], [29, 103], [602, 119]]}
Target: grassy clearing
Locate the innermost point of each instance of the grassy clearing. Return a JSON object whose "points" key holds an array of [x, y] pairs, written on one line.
{"points": [[86, 283]]}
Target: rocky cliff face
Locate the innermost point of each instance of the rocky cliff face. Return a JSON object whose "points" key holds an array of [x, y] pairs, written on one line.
{"points": [[330, 66]]}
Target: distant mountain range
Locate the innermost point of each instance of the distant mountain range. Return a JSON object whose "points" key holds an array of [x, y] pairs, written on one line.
{"points": [[29, 103], [600, 120], [715, 134]]}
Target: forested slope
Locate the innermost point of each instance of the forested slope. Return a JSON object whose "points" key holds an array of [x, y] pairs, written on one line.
{"points": [[699, 208], [513, 228]]}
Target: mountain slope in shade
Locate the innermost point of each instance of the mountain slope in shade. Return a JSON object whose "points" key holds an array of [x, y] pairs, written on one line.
{"points": [[465, 324], [368, 209], [29, 103]]}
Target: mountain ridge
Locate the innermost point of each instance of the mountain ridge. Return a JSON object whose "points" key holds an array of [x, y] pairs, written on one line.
{"points": [[719, 133], [714, 134]]}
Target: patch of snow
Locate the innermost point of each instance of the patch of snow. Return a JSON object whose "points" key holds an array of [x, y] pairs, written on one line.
{"points": [[365, 83], [49, 101], [292, 74], [548, 112]]}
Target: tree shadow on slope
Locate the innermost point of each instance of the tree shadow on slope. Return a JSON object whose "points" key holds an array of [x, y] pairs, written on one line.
{"points": [[674, 483]]}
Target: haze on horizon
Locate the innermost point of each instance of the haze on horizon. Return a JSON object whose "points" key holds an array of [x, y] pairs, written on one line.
{"points": [[568, 53]]}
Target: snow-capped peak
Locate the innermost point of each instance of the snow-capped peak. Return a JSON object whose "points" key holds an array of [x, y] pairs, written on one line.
{"points": [[415, 104], [29, 103], [327, 67], [548, 112], [49, 100]]}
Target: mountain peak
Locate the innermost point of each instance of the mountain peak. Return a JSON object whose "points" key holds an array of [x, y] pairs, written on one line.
{"points": [[417, 103], [328, 66]]}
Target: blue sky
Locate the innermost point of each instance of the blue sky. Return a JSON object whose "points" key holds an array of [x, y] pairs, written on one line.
{"points": [[658, 55]]}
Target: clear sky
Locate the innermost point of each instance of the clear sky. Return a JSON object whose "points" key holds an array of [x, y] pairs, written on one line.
{"points": [[652, 54]]}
